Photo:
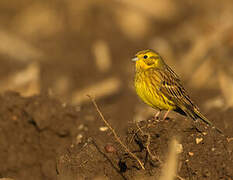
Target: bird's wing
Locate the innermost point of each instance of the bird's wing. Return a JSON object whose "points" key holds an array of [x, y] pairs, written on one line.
{"points": [[169, 70], [172, 88]]}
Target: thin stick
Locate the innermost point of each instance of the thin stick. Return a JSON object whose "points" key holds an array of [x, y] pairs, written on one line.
{"points": [[136, 132], [179, 177], [114, 133], [148, 144]]}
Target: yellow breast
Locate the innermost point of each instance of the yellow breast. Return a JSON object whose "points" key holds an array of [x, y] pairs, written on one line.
{"points": [[150, 94]]}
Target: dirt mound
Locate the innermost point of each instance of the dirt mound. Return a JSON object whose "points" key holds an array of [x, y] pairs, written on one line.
{"points": [[41, 138], [203, 153], [33, 131]]}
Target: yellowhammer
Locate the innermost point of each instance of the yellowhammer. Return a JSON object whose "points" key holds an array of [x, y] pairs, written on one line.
{"points": [[160, 87]]}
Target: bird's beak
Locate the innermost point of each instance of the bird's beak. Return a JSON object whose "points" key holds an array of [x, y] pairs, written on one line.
{"points": [[135, 58]]}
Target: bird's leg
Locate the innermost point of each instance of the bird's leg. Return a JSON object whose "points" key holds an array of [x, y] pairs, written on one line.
{"points": [[157, 114], [165, 115]]}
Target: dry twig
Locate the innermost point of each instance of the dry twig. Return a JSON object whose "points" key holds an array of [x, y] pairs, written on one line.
{"points": [[148, 148], [114, 133], [148, 144]]}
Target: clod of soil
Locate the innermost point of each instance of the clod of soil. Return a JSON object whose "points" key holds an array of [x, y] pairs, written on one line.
{"points": [[32, 132]]}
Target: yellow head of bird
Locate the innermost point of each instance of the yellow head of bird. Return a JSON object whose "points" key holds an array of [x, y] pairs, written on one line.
{"points": [[148, 59]]}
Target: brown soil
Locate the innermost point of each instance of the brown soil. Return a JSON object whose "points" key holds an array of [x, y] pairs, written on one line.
{"points": [[42, 138]]}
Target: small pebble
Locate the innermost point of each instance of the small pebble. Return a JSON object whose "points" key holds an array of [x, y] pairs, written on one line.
{"points": [[79, 138], [204, 133], [179, 148], [191, 153], [109, 148], [198, 140], [81, 127], [103, 128]]}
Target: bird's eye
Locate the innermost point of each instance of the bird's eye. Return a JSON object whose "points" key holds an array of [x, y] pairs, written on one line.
{"points": [[145, 57]]}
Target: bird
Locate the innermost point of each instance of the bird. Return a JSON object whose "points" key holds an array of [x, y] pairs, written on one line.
{"points": [[161, 88]]}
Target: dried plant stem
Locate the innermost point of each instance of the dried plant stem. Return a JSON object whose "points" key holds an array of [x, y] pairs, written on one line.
{"points": [[130, 141], [179, 177], [114, 133], [148, 144]]}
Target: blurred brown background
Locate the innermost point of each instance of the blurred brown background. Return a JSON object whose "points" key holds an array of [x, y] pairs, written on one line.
{"points": [[71, 48]]}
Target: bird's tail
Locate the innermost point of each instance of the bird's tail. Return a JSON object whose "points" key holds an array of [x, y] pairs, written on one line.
{"points": [[194, 113], [198, 114]]}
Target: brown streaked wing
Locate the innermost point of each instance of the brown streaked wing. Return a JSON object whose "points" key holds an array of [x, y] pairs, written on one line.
{"points": [[171, 87], [173, 73], [155, 78]]}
